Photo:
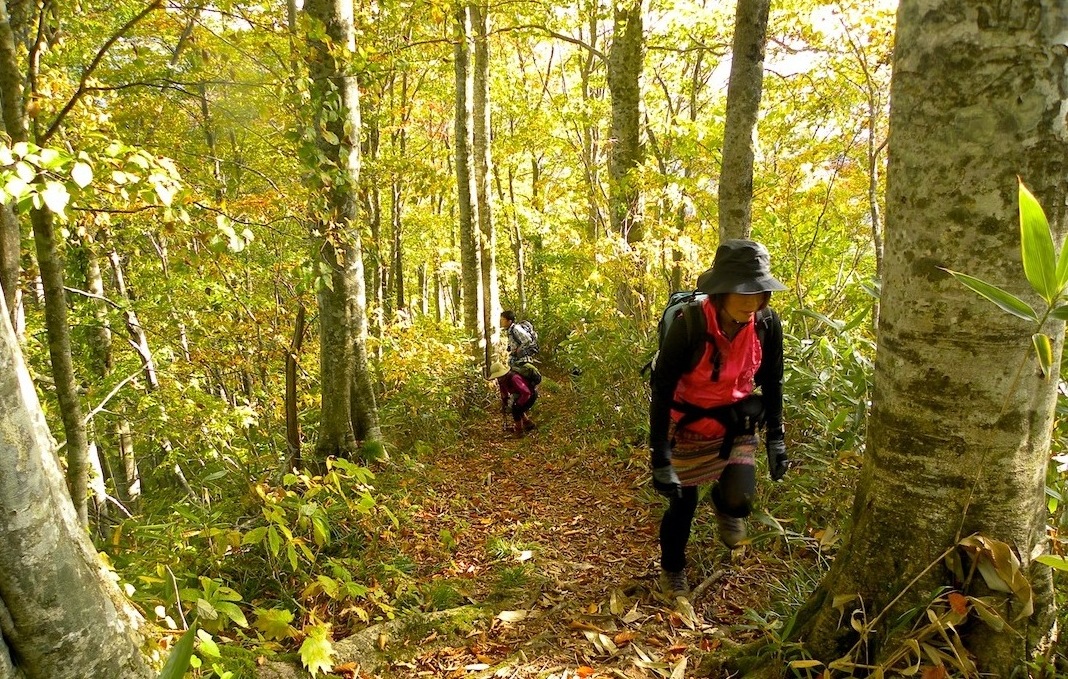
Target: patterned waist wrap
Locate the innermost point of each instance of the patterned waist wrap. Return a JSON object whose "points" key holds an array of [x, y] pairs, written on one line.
{"points": [[696, 458]]}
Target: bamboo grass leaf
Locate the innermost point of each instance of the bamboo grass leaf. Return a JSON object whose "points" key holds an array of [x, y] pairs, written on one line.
{"points": [[1005, 300], [1036, 248]]}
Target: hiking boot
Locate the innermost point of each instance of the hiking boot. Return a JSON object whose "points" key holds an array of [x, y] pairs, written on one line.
{"points": [[517, 429], [528, 423], [673, 583], [731, 529]]}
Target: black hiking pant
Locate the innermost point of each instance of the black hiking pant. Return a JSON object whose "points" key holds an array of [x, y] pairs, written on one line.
{"points": [[732, 495], [519, 410]]}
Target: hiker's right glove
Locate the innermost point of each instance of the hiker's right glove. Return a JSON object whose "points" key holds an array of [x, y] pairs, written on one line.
{"points": [[666, 482], [778, 463]]}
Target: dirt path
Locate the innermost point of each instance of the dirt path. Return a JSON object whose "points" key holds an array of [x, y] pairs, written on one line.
{"points": [[561, 542]]}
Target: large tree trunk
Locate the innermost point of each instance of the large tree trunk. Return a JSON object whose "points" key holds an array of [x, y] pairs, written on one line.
{"points": [[343, 304], [740, 129], [625, 196], [60, 615], [470, 259], [483, 166], [961, 420]]}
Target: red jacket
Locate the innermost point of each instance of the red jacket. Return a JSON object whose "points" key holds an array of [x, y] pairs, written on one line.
{"points": [[739, 359]]}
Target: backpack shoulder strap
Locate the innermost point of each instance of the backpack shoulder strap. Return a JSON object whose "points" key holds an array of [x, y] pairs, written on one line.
{"points": [[693, 315], [763, 322]]}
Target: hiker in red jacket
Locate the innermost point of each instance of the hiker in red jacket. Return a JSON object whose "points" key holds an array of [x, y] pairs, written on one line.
{"points": [[711, 392], [519, 392]]}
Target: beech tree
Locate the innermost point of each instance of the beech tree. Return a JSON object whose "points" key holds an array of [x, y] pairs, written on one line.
{"points": [[466, 180], [956, 446], [743, 108], [347, 397], [62, 616]]}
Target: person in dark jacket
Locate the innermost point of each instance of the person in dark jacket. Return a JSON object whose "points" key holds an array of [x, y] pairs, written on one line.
{"points": [[517, 394], [703, 419]]}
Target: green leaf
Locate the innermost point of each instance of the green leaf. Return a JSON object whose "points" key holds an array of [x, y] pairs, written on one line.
{"points": [[16, 188], [274, 623], [1007, 301], [82, 174], [178, 662], [1060, 312], [207, 645], [274, 541], [1054, 561], [56, 198], [317, 650], [254, 536], [1044, 351], [232, 611], [330, 138], [1036, 248]]}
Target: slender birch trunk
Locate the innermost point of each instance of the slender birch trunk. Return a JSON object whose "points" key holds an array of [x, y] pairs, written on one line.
{"points": [[740, 128]]}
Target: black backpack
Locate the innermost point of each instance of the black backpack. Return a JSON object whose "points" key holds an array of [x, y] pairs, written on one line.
{"points": [[686, 304], [531, 348], [529, 372]]}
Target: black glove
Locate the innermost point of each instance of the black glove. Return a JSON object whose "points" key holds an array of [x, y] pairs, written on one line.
{"points": [[778, 463], [666, 481]]}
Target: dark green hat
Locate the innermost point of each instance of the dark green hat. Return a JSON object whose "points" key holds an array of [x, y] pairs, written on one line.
{"points": [[742, 266]]}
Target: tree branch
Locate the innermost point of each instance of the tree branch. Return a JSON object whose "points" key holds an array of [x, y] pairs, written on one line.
{"points": [[76, 97], [559, 36]]}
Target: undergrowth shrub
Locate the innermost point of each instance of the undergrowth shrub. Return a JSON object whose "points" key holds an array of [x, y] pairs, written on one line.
{"points": [[430, 383]]}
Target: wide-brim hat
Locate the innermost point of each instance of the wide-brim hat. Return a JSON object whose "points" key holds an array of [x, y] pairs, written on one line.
{"points": [[497, 369], [741, 266]]}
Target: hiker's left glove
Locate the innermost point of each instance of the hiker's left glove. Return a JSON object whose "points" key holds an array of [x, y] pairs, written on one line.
{"points": [[778, 463], [666, 481]]}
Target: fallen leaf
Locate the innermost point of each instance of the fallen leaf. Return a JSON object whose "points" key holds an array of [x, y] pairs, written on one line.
{"points": [[680, 670], [935, 673], [592, 608], [584, 626], [625, 637], [959, 603], [585, 671], [512, 616]]}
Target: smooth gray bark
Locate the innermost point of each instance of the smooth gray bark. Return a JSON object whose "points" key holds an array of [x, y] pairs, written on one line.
{"points": [[482, 136], [625, 155], [470, 241], [740, 128], [961, 421], [50, 262], [61, 616], [624, 82], [342, 304]]}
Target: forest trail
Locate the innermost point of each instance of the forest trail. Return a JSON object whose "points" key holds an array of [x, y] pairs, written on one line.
{"points": [[558, 547]]}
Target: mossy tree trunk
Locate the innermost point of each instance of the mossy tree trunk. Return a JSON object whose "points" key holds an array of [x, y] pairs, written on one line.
{"points": [[961, 420]]}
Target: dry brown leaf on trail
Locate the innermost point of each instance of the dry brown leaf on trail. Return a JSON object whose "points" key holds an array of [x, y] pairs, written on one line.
{"points": [[585, 671], [625, 637], [348, 670], [633, 615], [935, 673], [584, 626], [710, 644], [680, 670], [958, 603]]}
